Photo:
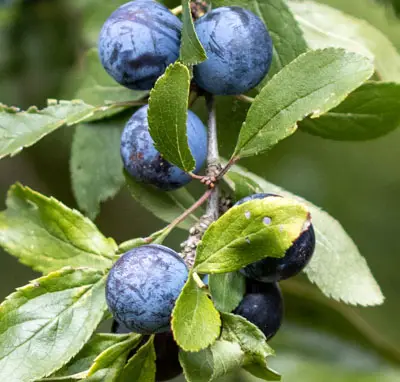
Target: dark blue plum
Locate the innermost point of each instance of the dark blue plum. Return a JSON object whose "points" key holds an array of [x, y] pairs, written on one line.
{"points": [[137, 43], [167, 357], [254, 196], [167, 353], [239, 50], [144, 162], [262, 306], [295, 260], [142, 288]]}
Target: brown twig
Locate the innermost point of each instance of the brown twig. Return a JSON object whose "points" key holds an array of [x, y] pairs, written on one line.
{"points": [[189, 247]]}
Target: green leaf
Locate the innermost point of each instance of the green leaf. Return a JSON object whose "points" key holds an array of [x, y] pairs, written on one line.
{"points": [[167, 206], [85, 358], [98, 87], [167, 115], [20, 129], [275, 111], [197, 367], [287, 37], [252, 342], [324, 26], [130, 244], [241, 344], [337, 266], [195, 321], [244, 186], [221, 358], [46, 322], [96, 165], [109, 365], [251, 339], [262, 372], [227, 290], [250, 232], [227, 357], [297, 369], [142, 366], [155, 238], [369, 112], [46, 235], [192, 52], [68, 378]]}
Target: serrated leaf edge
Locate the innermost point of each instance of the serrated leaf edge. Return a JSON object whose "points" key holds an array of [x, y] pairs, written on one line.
{"points": [[217, 316], [76, 213], [315, 113], [36, 283], [159, 82]]}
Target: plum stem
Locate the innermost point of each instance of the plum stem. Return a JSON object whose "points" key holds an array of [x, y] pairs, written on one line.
{"points": [[199, 281], [194, 207], [159, 236], [193, 97], [228, 166], [177, 10], [244, 98]]}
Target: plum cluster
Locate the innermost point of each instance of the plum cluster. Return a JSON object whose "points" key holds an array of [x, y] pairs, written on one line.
{"points": [[263, 304], [141, 38], [137, 43], [144, 284]]}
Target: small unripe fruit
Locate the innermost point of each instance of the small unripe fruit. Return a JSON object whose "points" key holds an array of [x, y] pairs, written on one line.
{"points": [[143, 162], [262, 306], [142, 288], [239, 51], [272, 269], [137, 43]]}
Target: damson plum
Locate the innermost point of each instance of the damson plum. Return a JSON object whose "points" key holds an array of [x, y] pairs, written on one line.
{"points": [[137, 43], [167, 353], [262, 306], [142, 288], [272, 269], [167, 357], [239, 51], [143, 162]]}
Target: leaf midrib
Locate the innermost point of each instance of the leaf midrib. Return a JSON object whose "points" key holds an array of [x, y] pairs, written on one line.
{"points": [[68, 244], [223, 247]]}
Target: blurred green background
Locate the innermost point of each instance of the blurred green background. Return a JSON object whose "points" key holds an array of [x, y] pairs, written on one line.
{"points": [[41, 47]]}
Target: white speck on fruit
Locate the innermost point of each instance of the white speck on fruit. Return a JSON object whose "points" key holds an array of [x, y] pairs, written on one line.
{"points": [[247, 240], [247, 214]]}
